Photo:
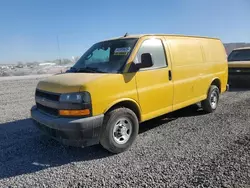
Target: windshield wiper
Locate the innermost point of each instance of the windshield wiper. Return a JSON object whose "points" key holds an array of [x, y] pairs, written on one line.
{"points": [[89, 69], [71, 69]]}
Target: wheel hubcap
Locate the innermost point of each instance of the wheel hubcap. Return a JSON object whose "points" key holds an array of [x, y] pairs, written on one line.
{"points": [[122, 130], [214, 99]]}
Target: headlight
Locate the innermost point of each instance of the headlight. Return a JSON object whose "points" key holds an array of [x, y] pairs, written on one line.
{"points": [[83, 97]]}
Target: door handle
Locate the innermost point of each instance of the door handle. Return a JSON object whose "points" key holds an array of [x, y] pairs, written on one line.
{"points": [[169, 75]]}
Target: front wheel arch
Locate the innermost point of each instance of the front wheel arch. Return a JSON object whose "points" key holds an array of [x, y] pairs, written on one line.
{"points": [[126, 103]]}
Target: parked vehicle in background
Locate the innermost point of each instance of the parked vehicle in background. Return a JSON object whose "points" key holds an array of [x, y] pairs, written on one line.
{"points": [[121, 82], [239, 65]]}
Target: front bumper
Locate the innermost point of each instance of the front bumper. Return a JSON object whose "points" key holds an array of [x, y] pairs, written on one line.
{"points": [[239, 80], [70, 131]]}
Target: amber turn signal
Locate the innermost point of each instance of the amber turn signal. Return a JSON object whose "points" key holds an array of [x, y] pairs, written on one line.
{"points": [[84, 112]]}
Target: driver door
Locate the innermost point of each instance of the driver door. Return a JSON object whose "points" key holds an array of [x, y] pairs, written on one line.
{"points": [[154, 84]]}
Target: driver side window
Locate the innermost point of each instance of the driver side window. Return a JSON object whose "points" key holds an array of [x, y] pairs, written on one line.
{"points": [[98, 56], [155, 48]]}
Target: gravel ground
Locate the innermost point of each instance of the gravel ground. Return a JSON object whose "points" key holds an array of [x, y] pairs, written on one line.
{"points": [[184, 149]]}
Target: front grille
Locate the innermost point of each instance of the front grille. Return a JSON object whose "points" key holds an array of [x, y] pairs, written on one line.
{"points": [[47, 110], [47, 95]]}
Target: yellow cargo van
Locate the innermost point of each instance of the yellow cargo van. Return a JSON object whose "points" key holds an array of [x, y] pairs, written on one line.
{"points": [[121, 82], [239, 65]]}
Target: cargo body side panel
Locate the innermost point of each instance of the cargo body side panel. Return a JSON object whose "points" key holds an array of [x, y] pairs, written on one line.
{"points": [[215, 63], [187, 68]]}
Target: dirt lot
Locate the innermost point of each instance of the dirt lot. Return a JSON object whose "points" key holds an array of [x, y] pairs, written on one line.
{"points": [[186, 149]]}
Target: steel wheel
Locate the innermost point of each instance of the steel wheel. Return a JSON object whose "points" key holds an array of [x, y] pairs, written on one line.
{"points": [[122, 130], [210, 104], [214, 99]]}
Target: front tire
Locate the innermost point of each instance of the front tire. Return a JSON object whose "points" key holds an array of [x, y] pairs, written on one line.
{"points": [[210, 104], [120, 129]]}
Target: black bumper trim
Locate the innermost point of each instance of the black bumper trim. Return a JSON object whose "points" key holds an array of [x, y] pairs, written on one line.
{"points": [[75, 132]]}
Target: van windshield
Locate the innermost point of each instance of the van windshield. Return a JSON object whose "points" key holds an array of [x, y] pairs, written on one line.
{"points": [[105, 57], [239, 55]]}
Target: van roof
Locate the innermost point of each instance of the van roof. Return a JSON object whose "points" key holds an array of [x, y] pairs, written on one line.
{"points": [[142, 35], [243, 48]]}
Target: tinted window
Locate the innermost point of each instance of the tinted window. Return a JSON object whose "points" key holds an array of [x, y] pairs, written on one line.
{"points": [[155, 48], [239, 55]]}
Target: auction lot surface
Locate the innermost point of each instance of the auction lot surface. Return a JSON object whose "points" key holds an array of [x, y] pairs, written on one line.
{"points": [[186, 149]]}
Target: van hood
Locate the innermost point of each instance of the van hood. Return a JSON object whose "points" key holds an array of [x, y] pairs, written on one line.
{"points": [[239, 64], [67, 82]]}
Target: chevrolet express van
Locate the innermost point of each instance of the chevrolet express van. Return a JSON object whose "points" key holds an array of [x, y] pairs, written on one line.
{"points": [[239, 65], [119, 83]]}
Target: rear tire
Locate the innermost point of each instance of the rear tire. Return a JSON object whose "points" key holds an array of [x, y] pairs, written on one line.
{"points": [[210, 104], [120, 129]]}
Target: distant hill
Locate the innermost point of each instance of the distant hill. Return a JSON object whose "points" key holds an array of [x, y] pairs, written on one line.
{"points": [[230, 46]]}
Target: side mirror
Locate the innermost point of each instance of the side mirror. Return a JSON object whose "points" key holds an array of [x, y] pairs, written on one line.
{"points": [[146, 61]]}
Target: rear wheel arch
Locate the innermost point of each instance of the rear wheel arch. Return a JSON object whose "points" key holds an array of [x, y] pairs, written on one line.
{"points": [[211, 102], [216, 82], [215, 86]]}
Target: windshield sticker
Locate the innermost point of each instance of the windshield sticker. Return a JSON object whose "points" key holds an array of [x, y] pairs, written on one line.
{"points": [[122, 51]]}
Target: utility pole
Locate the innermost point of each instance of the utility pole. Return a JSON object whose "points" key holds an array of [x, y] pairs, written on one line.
{"points": [[58, 46]]}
